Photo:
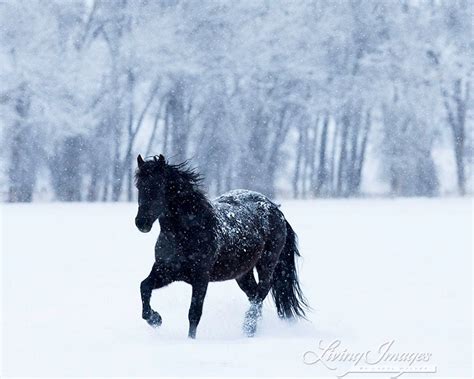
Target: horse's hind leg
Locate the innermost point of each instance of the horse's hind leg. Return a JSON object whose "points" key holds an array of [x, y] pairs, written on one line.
{"points": [[248, 284], [156, 279], [265, 267], [255, 312]]}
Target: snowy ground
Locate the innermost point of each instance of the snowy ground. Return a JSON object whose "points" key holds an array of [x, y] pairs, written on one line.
{"points": [[373, 270]]}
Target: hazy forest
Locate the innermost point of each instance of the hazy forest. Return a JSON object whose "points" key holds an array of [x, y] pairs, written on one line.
{"points": [[298, 98]]}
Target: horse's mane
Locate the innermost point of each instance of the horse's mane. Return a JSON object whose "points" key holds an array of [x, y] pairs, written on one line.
{"points": [[186, 173], [179, 171]]}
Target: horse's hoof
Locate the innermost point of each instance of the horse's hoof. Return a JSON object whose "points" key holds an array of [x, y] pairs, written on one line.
{"points": [[251, 319], [250, 332], [154, 320], [250, 327]]}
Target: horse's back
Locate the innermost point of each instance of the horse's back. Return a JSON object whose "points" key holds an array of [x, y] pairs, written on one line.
{"points": [[238, 210], [243, 196]]}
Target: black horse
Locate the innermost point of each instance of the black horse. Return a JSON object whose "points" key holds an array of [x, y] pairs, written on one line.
{"points": [[202, 241]]}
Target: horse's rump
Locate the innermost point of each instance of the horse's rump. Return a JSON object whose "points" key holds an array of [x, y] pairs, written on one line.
{"points": [[244, 223]]}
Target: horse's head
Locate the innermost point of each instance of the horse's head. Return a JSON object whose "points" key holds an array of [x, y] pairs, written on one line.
{"points": [[150, 181]]}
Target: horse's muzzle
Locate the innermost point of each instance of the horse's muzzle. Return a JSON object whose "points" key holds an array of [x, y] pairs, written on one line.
{"points": [[142, 225]]}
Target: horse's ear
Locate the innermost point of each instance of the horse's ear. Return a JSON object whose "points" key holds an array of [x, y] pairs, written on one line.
{"points": [[160, 160], [140, 161]]}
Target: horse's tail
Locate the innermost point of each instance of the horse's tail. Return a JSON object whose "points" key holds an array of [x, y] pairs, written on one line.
{"points": [[286, 291]]}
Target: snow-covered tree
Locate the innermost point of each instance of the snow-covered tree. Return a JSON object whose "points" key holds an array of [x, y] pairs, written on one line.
{"points": [[280, 97]]}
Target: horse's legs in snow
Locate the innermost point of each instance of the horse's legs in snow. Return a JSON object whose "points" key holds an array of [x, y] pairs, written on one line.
{"points": [[265, 268], [248, 284], [197, 301], [155, 280], [254, 313], [264, 285]]}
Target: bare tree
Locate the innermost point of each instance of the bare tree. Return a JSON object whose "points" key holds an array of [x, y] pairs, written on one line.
{"points": [[456, 102]]}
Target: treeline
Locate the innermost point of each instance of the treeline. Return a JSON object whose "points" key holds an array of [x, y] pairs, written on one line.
{"points": [[283, 97]]}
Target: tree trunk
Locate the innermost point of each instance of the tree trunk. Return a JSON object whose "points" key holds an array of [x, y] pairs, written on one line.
{"points": [[457, 121], [312, 158], [363, 148], [299, 148], [322, 169], [332, 166], [342, 156], [22, 165], [179, 132]]}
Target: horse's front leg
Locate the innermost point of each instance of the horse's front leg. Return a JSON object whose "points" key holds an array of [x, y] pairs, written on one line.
{"points": [[197, 301], [157, 279]]}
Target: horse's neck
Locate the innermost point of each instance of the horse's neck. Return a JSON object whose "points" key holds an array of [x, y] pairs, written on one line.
{"points": [[186, 209]]}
